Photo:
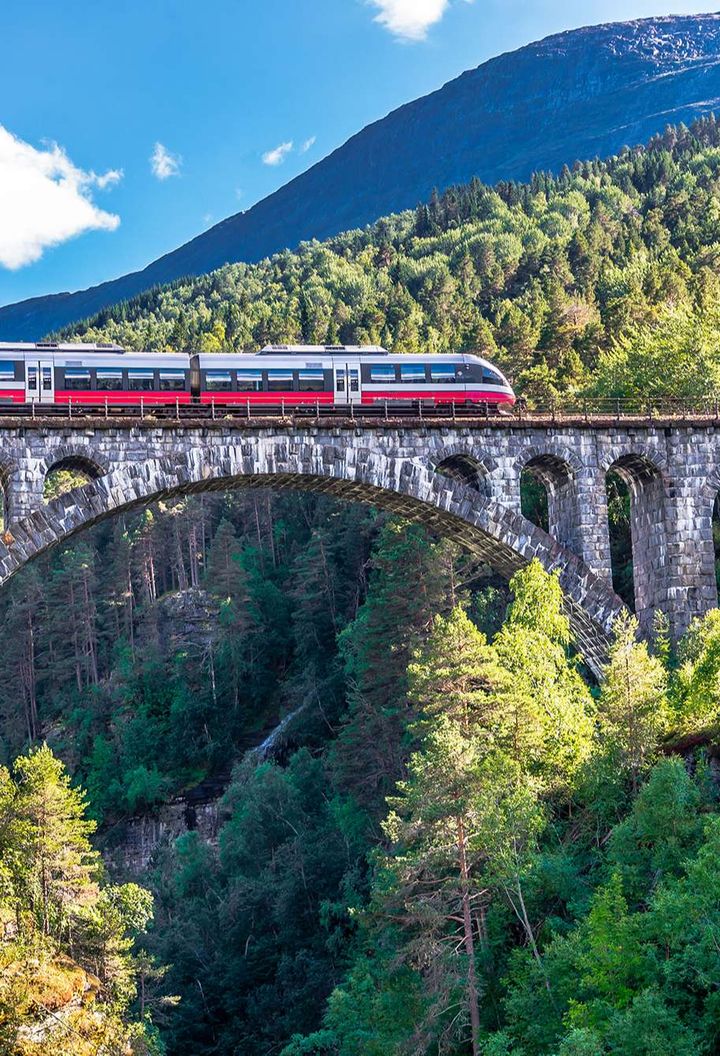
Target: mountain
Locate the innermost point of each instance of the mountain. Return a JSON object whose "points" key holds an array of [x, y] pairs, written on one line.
{"points": [[578, 94]]}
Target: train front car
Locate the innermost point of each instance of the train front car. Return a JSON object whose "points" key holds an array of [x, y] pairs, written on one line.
{"points": [[342, 375], [484, 383], [434, 379]]}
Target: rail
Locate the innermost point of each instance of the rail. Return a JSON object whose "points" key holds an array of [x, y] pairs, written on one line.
{"points": [[600, 411]]}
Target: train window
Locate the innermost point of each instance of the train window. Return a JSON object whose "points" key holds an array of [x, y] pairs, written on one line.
{"points": [[382, 372], [172, 380], [218, 380], [47, 379], [77, 378], [280, 380], [492, 377], [445, 373], [311, 380], [141, 380], [413, 373], [249, 380], [7, 370], [109, 380]]}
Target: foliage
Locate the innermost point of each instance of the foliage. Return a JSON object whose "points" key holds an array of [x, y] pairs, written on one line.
{"points": [[67, 971]]}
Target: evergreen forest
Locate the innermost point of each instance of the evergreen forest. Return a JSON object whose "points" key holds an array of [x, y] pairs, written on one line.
{"points": [[455, 842]]}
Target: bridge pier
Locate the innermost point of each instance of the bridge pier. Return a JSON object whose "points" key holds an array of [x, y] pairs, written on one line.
{"points": [[588, 533], [650, 556], [24, 489]]}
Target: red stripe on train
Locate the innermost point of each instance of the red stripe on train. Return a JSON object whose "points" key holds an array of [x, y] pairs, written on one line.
{"points": [[274, 398], [476, 396], [269, 398], [116, 397]]}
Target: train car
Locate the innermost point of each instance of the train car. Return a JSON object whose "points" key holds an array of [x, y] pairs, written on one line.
{"points": [[88, 374], [329, 375]]}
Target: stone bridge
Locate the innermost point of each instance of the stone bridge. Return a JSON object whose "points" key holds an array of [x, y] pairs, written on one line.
{"points": [[462, 480]]}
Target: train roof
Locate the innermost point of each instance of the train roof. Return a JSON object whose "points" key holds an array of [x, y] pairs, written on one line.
{"points": [[328, 350], [56, 346], [272, 353], [104, 357]]}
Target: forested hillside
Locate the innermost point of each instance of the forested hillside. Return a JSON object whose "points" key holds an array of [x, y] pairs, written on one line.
{"points": [[461, 845], [581, 94], [584, 282]]}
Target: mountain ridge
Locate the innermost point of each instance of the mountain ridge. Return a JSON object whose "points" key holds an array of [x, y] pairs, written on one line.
{"points": [[579, 94]]}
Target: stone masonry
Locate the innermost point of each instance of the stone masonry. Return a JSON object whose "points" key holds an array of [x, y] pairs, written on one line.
{"points": [[462, 480]]}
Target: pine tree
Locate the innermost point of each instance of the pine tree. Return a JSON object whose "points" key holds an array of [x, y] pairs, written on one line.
{"points": [[58, 863], [376, 647], [633, 707], [456, 674], [544, 708]]}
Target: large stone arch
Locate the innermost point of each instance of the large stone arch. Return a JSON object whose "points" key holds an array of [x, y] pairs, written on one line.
{"points": [[502, 537]]}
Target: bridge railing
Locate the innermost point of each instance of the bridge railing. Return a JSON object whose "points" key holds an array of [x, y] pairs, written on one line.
{"points": [[602, 410], [608, 408]]}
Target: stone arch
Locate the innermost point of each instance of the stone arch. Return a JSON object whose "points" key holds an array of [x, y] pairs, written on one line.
{"points": [[640, 461], [467, 466], [556, 469], [502, 537], [553, 455], [643, 471], [74, 458]]}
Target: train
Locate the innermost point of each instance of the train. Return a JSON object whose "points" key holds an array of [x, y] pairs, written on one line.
{"points": [[107, 375]]}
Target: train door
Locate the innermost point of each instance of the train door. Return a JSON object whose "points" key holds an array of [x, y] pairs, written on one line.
{"points": [[348, 388], [39, 381]]}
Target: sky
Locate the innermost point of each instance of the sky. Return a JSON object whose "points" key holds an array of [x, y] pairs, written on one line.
{"points": [[127, 128]]}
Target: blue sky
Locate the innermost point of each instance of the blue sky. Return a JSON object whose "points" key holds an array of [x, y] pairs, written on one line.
{"points": [[127, 128]]}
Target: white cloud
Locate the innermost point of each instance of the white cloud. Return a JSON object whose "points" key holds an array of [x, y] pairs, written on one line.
{"points": [[163, 163], [409, 20], [308, 144], [45, 200], [277, 155], [109, 178]]}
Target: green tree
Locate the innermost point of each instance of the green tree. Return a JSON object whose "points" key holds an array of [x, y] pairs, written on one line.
{"points": [[632, 713], [58, 861]]}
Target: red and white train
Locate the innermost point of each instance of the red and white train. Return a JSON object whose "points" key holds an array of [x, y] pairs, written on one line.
{"points": [[288, 375]]}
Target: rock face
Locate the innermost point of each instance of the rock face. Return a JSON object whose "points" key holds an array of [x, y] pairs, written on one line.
{"points": [[576, 95], [130, 852]]}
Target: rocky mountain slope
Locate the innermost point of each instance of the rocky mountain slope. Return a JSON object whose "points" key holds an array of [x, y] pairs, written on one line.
{"points": [[578, 94]]}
